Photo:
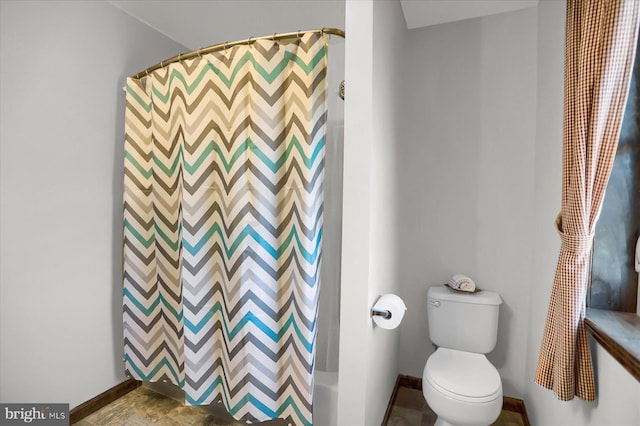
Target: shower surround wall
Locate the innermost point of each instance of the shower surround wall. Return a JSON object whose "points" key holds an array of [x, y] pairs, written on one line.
{"points": [[327, 344], [63, 65]]}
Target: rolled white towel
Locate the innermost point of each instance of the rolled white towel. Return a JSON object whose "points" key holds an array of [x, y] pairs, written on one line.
{"points": [[462, 283]]}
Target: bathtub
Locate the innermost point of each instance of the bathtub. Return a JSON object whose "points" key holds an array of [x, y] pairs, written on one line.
{"points": [[325, 398]]}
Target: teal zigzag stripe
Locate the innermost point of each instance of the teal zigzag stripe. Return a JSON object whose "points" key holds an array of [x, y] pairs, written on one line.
{"points": [[249, 399], [148, 311], [269, 77], [248, 231], [248, 145], [163, 362], [275, 336]]}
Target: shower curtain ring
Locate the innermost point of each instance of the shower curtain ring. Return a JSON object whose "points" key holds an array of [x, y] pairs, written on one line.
{"points": [[274, 37], [249, 41], [298, 35]]}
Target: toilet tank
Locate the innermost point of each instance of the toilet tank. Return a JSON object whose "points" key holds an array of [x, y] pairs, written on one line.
{"points": [[463, 321]]}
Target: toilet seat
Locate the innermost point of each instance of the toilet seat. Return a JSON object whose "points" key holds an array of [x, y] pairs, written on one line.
{"points": [[464, 376]]}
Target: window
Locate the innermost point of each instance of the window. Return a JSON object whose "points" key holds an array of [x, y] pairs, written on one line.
{"points": [[614, 281], [612, 297]]}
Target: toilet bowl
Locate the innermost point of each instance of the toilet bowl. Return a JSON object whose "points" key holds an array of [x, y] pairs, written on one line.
{"points": [[462, 388], [458, 382]]}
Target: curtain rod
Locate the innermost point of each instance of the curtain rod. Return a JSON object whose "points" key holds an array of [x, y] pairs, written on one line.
{"points": [[220, 46]]}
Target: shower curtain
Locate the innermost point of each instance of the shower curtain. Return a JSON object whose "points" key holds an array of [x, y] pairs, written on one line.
{"points": [[223, 208]]}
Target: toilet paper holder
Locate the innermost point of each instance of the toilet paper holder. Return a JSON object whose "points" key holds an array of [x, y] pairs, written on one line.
{"points": [[375, 312], [387, 312]]}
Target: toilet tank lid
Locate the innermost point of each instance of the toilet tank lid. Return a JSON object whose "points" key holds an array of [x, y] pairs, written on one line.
{"points": [[484, 297]]}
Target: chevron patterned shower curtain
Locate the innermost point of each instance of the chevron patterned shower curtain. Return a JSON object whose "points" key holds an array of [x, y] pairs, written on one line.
{"points": [[223, 205]]}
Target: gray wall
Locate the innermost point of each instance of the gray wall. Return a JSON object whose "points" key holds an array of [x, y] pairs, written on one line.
{"points": [[388, 105], [465, 165], [198, 23], [63, 66], [368, 354]]}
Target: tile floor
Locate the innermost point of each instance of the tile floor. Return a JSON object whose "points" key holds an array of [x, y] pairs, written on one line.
{"points": [[410, 409], [143, 407]]}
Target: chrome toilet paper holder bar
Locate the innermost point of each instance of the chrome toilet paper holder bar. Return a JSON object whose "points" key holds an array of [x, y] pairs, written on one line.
{"points": [[380, 313]]}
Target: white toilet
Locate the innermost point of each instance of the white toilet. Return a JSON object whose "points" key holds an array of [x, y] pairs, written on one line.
{"points": [[459, 383]]}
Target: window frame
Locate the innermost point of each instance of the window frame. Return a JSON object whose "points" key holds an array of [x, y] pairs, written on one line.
{"points": [[619, 334]]}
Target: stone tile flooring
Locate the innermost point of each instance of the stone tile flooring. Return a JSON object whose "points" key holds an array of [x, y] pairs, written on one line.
{"points": [[143, 407], [410, 409]]}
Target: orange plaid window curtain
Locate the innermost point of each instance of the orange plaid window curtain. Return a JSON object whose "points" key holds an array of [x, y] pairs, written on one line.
{"points": [[600, 47]]}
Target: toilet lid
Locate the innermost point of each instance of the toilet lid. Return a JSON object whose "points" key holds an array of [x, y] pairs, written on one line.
{"points": [[463, 373]]}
